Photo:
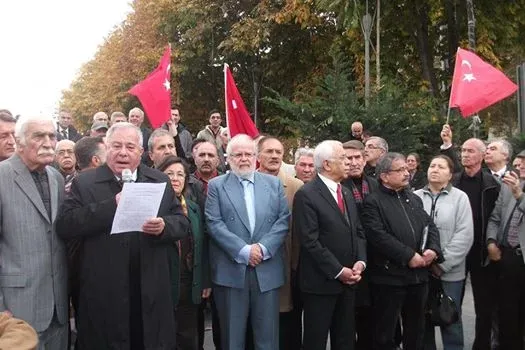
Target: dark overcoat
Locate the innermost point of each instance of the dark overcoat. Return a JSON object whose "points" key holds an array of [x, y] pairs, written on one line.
{"points": [[103, 318]]}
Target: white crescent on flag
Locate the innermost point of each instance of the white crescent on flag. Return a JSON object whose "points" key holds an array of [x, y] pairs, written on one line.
{"points": [[468, 77], [234, 104], [466, 63]]}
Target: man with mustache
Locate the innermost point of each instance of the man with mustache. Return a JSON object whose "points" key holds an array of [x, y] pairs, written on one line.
{"points": [[7, 135], [65, 158], [270, 153], [402, 242], [360, 185], [304, 164], [206, 162], [33, 276]]}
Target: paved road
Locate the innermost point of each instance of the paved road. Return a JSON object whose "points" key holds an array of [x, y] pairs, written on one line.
{"points": [[468, 324]]}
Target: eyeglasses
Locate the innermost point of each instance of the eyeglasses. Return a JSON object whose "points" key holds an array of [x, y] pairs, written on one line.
{"points": [[400, 170], [242, 155], [174, 176]]}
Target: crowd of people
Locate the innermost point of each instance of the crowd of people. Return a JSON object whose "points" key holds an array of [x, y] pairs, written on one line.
{"points": [[352, 241]]}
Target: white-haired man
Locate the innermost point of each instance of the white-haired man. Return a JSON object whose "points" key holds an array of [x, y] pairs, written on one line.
{"points": [[33, 276], [247, 216], [333, 251], [375, 148], [136, 117], [497, 157], [125, 299]]}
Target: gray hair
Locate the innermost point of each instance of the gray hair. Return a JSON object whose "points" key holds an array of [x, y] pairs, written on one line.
{"points": [[7, 117], [136, 110], [506, 147], [124, 125], [156, 134], [240, 139], [63, 142], [324, 151], [303, 152], [384, 164], [114, 115], [23, 122], [381, 142]]}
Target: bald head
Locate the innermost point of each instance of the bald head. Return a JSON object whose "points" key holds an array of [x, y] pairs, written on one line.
{"points": [[472, 153]]}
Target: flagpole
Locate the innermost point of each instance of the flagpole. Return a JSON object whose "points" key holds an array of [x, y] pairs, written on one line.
{"points": [[225, 97], [451, 85], [448, 111]]}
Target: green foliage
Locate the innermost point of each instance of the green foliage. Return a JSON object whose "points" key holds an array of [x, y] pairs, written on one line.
{"points": [[305, 60], [409, 122]]}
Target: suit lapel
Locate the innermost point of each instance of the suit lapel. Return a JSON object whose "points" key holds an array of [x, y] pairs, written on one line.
{"points": [[327, 195], [26, 183], [235, 193]]}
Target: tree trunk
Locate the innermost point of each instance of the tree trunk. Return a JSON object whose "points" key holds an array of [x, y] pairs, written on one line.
{"points": [[424, 47], [471, 22], [452, 31]]}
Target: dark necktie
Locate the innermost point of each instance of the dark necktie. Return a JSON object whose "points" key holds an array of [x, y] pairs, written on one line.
{"points": [[64, 133]]}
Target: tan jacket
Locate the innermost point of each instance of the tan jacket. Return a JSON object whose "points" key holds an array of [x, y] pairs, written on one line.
{"points": [[291, 244], [16, 334]]}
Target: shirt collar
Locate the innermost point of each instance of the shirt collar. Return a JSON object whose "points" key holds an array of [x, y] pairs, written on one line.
{"points": [[250, 178], [500, 172], [331, 184]]}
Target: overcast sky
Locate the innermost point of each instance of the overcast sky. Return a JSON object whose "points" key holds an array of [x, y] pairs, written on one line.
{"points": [[43, 44]]}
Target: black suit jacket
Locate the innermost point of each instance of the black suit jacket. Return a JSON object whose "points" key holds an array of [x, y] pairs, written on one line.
{"points": [[328, 241], [73, 134]]}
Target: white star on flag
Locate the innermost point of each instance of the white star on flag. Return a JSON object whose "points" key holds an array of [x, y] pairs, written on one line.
{"points": [[468, 77], [167, 84], [234, 104]]}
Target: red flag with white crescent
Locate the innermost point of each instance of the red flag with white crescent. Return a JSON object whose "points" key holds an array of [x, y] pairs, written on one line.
{"points": [[237, 116], [154, 92], [476, 84]]}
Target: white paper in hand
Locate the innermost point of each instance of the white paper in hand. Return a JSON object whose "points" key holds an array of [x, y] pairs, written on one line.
{"points": [[138, 203]]}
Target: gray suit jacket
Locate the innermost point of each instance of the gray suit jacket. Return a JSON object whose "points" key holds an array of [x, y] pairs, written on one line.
{"points": [[502, 213], [33, 269], [228, 225]]}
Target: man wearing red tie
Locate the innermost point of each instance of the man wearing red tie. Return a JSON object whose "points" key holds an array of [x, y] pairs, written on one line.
{"points": [[333, 251]]}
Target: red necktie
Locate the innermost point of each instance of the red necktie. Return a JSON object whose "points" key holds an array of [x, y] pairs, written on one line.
{"points": [[340, 203]]}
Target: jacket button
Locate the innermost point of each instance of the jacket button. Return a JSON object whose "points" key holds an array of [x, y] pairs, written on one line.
{"points": [[231, 219]]}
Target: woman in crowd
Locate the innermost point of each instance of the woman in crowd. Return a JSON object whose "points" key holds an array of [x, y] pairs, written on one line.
{"points": [[190, 265], [450, 209], [418, 178]]}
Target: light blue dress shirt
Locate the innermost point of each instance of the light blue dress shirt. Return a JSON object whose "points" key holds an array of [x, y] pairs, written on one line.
{"points": [[248, 185]]}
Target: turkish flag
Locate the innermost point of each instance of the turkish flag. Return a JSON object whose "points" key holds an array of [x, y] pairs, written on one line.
{"points": [[237, 116], [476, 84], [154, 92]]}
